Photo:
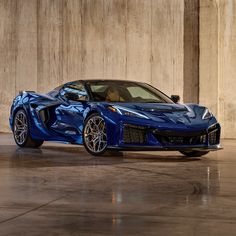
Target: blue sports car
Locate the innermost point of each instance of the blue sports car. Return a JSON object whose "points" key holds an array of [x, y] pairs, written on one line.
{"points": [[111, 114]]}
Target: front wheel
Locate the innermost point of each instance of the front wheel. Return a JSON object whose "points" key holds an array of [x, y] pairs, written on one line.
{"points": [[94, 135], [21, 131], [194, 153]]}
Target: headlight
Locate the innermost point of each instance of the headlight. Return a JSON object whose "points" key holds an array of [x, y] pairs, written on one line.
{"points": [[126, 112], [207, 114]]}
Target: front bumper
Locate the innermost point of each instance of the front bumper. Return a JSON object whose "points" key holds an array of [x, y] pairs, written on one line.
{"points": [[142, 138], [177, 148]]}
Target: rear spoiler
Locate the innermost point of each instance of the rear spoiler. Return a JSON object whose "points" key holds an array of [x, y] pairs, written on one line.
{"points": [[21, 92]]}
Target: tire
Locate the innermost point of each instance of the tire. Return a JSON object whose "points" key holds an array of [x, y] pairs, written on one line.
{"points": [[94, 135], [194, 153], [21, 131]]}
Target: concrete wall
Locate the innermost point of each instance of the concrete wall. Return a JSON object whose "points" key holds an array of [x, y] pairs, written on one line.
{"points": [[44, 43], [218, 61], [191, 51], [208, 82]]}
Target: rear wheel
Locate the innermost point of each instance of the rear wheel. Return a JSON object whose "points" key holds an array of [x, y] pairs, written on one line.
{"points": [[21, 131], [194, 153], [94, 135]]}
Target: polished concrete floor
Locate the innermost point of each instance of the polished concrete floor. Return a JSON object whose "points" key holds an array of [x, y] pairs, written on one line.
{"points": [[61, 190]]}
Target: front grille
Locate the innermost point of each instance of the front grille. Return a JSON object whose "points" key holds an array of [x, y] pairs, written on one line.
{"points": [[209, 137], [134, 134], [181, 140]]}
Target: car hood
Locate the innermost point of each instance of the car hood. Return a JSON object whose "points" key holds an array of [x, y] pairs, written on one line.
{"points": [[187, 115]]}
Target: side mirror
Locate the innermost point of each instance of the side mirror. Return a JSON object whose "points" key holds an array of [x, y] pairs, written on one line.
{"points": [[75, 97], [175, 98], [71, 96]]}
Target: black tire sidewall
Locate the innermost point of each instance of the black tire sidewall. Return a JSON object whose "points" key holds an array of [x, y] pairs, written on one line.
{"points": [[194, 153]]}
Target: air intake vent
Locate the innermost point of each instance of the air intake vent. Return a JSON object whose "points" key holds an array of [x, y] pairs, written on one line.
{"points": [[134, 134], [214, 137], [180, 140]]}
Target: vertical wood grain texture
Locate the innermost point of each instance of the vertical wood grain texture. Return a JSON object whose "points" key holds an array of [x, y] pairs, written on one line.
{"points": [[26, 43], [139, 40], [115, 39], [92, 39], [72, 35], [167, 45], [191, 51], [227, 69], [7, 59], [49, 44], [208, 80], [55, 41], [218, 61]]}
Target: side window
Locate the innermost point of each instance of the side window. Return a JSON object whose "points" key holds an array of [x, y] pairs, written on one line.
{"points": [[75, 92]]}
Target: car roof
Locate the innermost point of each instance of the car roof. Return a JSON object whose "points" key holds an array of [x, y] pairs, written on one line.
{"points": [[104, 80]]}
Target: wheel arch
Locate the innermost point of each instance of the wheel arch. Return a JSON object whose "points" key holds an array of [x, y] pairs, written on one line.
{"points": [[90, 113], [95, 108]]}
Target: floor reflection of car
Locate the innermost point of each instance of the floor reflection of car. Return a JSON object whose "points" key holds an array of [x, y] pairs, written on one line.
{"points": [[147, 184], [118, 115]]}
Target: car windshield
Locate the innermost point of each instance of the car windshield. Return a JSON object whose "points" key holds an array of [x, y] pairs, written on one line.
{"points": [[127, 92]]}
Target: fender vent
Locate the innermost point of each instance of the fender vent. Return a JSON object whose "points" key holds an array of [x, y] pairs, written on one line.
{"points": [[34, 106], [44, 115]]}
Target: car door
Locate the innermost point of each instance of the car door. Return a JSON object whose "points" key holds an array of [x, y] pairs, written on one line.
{"points": [[69, 114]]}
